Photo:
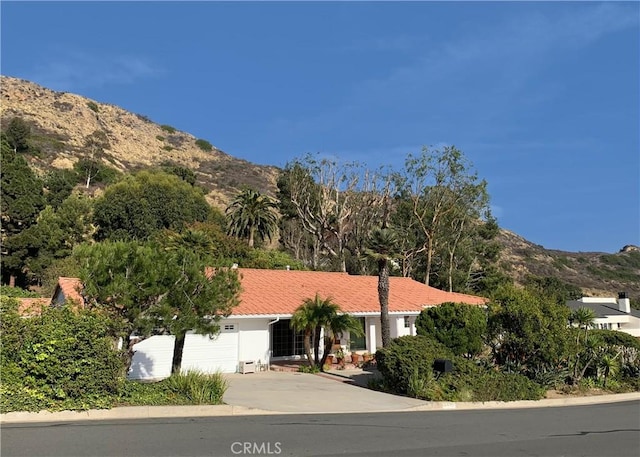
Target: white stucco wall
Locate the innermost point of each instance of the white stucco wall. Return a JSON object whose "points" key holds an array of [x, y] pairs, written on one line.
{"points": [[152, 358], [254, 340]]}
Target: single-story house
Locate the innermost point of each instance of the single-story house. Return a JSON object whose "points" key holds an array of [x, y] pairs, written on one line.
{"points": [[259, 328], [611, 313]]}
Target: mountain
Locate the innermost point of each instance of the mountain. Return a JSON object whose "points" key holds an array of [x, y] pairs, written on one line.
{"points": [[60, 123], [596, 273]]}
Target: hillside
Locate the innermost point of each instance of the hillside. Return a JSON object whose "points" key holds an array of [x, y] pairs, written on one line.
{"points": [[60, 122], [596, 273]]}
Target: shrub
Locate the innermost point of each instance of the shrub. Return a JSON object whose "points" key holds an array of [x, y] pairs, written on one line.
{"points": [[409, 356], [167, 148], [93, 106], [204, 145], [199, 388], [168, 128], [58, 359], [159, 138]]}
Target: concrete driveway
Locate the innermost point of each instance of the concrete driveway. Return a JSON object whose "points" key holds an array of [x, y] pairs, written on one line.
{"points": [[309, 393]]}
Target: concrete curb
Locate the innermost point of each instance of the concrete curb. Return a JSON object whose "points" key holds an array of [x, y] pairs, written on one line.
{"points": [[159, 412]]}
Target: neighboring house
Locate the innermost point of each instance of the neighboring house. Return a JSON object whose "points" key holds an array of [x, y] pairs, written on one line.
{"points": [[68, 289], [259, 329], [611, 313]]}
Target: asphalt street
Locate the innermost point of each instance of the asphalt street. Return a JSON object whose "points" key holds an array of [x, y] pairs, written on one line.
{"points": [[595, 430]]}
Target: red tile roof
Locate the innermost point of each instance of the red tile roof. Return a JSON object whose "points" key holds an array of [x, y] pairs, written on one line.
{"points": [[28, 307], [71, 288], [273, 292]]}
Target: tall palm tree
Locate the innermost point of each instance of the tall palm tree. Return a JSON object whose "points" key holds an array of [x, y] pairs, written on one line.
{"points": [[252, 214], [382, 248]]}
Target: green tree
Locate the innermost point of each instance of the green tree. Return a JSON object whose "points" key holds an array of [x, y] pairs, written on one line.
{"points": [[157, 291], [382, 249], [143, 204], [94, 144], [53, 237], [316, 314], [21, 201], [252, 215], [17, 134], [528, 332], [59, 185], [446, 197], [553, 287], [460, 327]]}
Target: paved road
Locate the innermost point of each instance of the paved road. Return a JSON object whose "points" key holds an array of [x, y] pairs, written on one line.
{"points": [[597, 430]]}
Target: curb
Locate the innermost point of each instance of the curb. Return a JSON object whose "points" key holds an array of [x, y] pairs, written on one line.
{"points": [[160, 412]]}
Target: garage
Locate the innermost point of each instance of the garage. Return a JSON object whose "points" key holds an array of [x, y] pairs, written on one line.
{"points": [[208, 355]]}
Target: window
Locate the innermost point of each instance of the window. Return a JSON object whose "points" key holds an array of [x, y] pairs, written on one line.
{"points": [[407, 322], [358, 343]]}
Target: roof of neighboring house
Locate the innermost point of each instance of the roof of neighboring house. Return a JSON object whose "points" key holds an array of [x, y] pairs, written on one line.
{"points": [[603, 309], [281, 292], [70, 288], [32, 306]]}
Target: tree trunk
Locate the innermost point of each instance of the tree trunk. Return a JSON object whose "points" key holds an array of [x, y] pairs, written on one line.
{"points": [[316, 344], [307, 346], [328, 342], [383, 297], [429, 260], [178, 346], [251, 236]]}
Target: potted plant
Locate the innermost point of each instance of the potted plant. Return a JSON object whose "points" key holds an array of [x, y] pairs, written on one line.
{"points": [[366, 357], [329, 360], [355, 358], [340, 357]]}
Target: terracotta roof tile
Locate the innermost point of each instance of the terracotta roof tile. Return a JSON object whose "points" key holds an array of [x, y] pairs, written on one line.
{"points": [[28, 307], [273, 292], [71, 288]]}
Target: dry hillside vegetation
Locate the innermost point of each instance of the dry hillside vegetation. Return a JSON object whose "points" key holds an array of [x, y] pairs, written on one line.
{"points": [[60, 123], [596, 273]]}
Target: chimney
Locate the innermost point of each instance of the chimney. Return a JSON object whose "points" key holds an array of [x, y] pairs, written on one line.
{"points": [[288, 267], [234, 266], [624, 304]]}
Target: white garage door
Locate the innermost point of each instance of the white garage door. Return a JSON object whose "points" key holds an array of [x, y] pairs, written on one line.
{"points": [[208, 355]]}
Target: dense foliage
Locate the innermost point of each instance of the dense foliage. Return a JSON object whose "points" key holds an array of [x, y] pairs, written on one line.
{"points": [[63, 356], [462, 328]]}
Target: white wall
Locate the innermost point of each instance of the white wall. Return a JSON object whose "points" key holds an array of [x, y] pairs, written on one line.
{"points": [[153, 358], [254, 339]]}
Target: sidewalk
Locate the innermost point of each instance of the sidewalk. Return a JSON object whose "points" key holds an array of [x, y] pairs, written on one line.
{"points": [[299, 393]]}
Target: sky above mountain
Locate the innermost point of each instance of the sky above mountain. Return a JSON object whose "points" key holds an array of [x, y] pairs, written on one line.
{"points": [[543, 97]]}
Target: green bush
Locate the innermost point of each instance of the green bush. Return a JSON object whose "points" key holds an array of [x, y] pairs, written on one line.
{"points": [[159, 138], [199, 388], [60, 358], [409, 356], [204, 145], [167, 148], [168, 128], [93, 106]]}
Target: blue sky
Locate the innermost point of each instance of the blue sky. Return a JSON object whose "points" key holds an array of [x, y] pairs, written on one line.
{"points": [[542, 97]]}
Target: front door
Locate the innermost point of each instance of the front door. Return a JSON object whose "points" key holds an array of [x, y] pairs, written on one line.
{"points": [[285, 342]]}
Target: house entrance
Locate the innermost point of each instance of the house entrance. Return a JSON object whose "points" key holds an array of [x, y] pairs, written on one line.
{"points": [[285, 342]]}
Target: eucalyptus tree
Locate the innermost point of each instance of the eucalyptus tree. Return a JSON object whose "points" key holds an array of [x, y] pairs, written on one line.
{"points": [[445, 194], [252, 214]]}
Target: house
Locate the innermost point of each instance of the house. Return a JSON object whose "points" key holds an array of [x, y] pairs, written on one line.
{"points": [[611, 313], [259, 329]]}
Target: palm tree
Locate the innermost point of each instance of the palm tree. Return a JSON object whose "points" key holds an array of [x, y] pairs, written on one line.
{"points": [[382, 249], [315, 314], [252, 214], [339, 323], [584, 318]]}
